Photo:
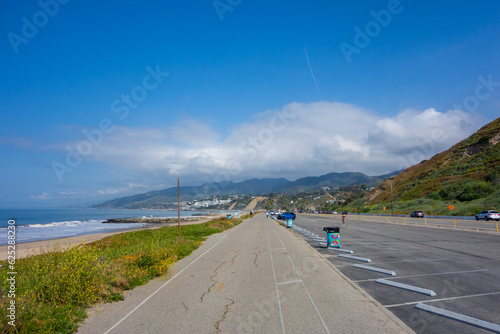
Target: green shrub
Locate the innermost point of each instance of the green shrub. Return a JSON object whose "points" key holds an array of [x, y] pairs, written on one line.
{"points": [[53, 289]]}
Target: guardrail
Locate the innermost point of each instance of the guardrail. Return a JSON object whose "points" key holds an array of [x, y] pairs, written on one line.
{"points": [[431, 222]]}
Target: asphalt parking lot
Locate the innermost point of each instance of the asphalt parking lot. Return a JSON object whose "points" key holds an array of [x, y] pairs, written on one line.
{"points": [[461, 267]]}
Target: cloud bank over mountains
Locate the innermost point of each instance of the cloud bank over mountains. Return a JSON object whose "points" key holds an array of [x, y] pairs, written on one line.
{"points": [[300, 139]]}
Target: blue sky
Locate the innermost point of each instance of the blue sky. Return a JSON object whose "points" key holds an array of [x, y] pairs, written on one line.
{"points": [[102, 100]]}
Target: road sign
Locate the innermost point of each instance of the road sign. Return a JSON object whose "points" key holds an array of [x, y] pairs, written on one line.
{"points": [[451, 207]]}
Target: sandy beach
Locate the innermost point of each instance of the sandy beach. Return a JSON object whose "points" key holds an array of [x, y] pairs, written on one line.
{"points": [[36, 247]]}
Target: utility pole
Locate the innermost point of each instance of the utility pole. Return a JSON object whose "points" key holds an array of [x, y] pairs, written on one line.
{"points": [[178, 208], [392, 199]]}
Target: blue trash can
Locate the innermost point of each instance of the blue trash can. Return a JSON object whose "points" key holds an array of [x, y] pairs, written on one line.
{"points": [[289, 222], [332, 237]]}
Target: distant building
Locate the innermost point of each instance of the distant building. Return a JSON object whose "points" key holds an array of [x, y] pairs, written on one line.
{"points": [[205, 204]]}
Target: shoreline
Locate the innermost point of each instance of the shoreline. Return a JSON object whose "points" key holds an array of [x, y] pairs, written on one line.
{"points": [[25, 249]]}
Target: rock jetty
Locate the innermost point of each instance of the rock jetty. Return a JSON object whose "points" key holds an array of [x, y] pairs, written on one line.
{"points": [[150, 220]]}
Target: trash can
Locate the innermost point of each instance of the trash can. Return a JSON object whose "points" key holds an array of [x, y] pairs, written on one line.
{"points": [[289, 222], [332, 237], [229, 216]]}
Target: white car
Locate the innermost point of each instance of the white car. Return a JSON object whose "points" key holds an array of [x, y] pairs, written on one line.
{"points": [[488, 214]]}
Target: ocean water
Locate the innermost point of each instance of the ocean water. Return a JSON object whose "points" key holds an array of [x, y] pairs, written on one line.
{"points": [[40, 224]]}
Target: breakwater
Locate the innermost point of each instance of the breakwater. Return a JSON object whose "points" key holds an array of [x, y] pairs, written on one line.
{"points": [[150, 220]]}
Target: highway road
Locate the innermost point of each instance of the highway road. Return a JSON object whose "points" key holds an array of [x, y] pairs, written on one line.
{"points": [[466, 223], [461, 267]]}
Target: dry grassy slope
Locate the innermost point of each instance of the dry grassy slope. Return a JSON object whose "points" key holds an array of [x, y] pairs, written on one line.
{"points": [[254, 202], [472, 158]]}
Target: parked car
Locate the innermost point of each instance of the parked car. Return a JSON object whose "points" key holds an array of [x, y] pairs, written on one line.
{"points": [[488, 214], [288, 215], [417, 214]]}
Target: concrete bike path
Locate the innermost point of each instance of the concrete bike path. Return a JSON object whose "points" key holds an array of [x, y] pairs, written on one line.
{"points": [[257, 277]]}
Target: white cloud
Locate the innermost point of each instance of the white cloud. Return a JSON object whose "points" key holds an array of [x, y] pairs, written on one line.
{"points": [[298, 140], [72, 193], [131, 187], [348, 145], [17, 142], [43, 196], [193, 133], [414, 135]]}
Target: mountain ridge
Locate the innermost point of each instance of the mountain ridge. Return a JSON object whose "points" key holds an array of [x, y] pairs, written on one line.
{"points": [[253, 186]]}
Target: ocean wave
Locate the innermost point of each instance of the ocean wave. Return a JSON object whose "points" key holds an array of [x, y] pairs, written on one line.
{"points": [[69, 223], [62, 229]]}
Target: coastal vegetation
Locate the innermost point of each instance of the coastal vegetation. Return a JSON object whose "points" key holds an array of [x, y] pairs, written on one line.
{"points": [[53, 289]]}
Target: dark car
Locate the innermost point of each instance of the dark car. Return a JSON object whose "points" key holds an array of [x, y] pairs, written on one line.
{"points": [[417, 214]]}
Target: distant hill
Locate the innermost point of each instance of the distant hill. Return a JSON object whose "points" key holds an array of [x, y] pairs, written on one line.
{"points": [[467, 171], [332, 180], [190, 193], [251, 187]]}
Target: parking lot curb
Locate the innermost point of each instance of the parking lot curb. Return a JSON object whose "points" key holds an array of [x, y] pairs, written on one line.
{"points": [[404, 326]]}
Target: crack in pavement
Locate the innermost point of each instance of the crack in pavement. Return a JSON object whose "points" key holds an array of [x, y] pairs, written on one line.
{"points": [[223, 315], [256, 257], [212, 277]]}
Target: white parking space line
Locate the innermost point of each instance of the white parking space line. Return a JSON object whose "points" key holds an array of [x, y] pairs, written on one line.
{"points": [[364, 259], [422, 275], [460, 317], [406, 287], [426, 260], [379, 270], [443, 299], [341, 250]]}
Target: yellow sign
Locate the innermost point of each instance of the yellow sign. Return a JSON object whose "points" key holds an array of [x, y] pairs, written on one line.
{"points": [[451, 207]]}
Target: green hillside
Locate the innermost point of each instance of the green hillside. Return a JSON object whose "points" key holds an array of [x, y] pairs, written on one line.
{"points": [[467, 174]]}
